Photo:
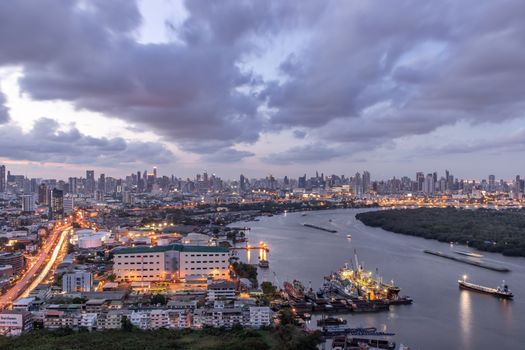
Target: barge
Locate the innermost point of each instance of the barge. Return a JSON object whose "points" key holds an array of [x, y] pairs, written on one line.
{"points": [[467, 261], [320, 228]]}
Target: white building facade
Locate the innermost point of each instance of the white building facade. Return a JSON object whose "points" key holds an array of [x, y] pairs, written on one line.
{"points": [[175, 261]]}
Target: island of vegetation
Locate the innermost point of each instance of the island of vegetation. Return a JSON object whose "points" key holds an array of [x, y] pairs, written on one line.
{"points": [[501, 231]]}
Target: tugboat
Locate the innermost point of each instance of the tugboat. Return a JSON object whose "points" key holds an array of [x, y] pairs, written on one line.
{"points": [[502, 291]]}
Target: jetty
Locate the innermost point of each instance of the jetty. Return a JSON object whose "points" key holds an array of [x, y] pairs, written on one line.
{"points": [[467, 261], [320, 228]]}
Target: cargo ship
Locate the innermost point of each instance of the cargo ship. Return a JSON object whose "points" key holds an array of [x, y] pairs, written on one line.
{"points": [[359, 283], [502, 291]]}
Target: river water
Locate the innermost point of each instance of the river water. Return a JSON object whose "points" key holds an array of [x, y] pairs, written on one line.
{"points": [[441, 317]]}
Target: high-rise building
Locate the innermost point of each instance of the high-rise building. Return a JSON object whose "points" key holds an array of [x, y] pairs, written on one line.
{"points": [[90, 181], [429, 186], [102, 183], [43, 196], [73, 185], [242, 183], [28, 203], [366, 181], [492, 183], [2, 179], [420, 179], [518, 185], [301, 182], [57, 203]]}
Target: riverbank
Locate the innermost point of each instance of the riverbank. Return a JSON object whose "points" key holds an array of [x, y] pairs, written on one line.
{"points": [[490, 230]]}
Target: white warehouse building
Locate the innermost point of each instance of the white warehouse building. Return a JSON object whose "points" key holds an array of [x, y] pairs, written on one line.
{"points": [[174, 261]]}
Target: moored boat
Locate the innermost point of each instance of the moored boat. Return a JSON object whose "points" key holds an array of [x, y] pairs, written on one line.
{"points": [[331, 321], [295, 289], [264, 263]]}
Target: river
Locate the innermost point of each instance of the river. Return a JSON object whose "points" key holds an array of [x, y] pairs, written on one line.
{"points": [[441, 317]]}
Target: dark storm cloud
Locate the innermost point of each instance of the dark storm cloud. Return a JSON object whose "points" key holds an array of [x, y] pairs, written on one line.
{"points": [[368, 72], [375, 71], [46, 143], [189, 91], [4, 111]]}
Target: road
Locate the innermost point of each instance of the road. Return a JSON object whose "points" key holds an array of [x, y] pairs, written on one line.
{"points": [[39, 268]]}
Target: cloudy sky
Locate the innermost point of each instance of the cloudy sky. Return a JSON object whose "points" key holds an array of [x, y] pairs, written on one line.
{"points": [[260, 87]]}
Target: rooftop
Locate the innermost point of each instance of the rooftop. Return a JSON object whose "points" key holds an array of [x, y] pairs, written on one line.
{"points": [[176, 247]]}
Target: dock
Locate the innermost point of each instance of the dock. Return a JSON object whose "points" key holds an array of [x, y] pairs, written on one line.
{"points": [[320, 228], [467, 261], [265, 248]]}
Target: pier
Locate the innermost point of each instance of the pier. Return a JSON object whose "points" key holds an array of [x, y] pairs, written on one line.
{"points": [[320, 228], [261, 246], [467, 261]]}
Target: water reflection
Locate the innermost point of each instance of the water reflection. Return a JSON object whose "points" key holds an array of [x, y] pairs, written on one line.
{"points": [[465, 316], [465, 320]]}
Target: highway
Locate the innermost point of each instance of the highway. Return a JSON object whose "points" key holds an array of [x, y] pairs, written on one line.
{"points": [[40, 267]]}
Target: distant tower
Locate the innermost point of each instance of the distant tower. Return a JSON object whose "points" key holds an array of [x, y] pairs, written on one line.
{"points": [[242, 183], [366, 181], [2, 179], [492, 183]]}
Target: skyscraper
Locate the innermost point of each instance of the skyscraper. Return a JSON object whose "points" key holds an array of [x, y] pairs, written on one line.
{"points": [[57, 203], [429, 186], [90, 181], [2, 179], [102, 183], [366, 181], [73, 186], [420, 179], [242, 183], [492, 183], [43, 194]]}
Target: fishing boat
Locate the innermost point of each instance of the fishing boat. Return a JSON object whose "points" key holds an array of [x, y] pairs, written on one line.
{"points": [[501, 291], [349, 236]]}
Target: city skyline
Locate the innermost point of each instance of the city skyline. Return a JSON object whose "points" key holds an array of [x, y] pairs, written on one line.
{"points": [[87, 174], [262, 88]]}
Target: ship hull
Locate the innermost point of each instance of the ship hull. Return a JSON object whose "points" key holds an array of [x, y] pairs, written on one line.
{"points": [[474, 288]]}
